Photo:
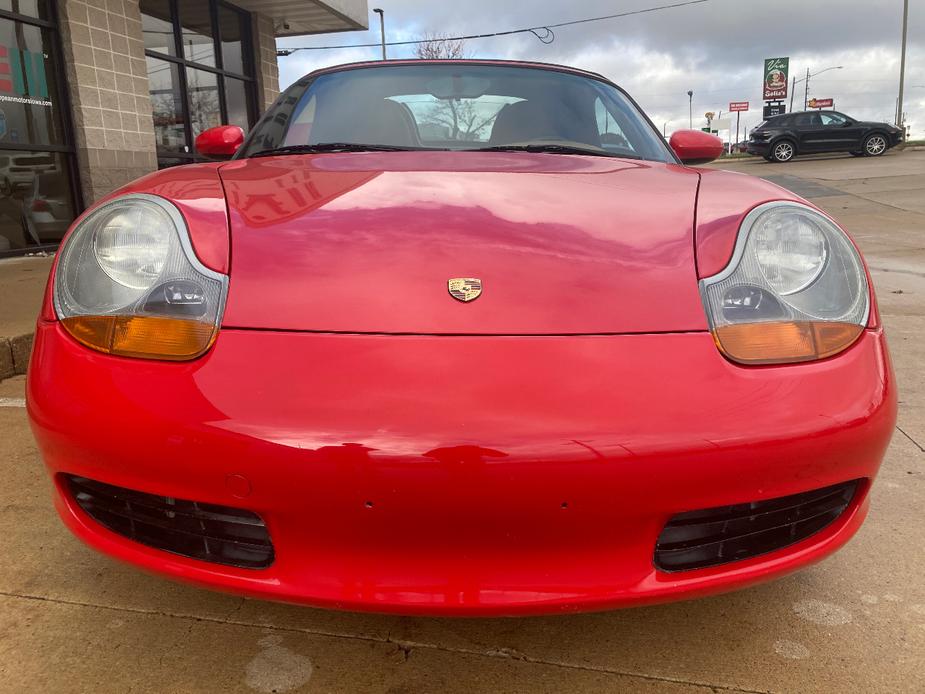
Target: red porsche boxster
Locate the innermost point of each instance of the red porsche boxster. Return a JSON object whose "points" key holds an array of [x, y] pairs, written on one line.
{"points": [[460, 337]]}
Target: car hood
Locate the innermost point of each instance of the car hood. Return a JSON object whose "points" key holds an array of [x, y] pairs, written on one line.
{"points": [[366, 243]]}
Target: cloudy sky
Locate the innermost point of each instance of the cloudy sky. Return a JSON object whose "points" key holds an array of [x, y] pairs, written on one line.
{"points": [[715, 48]]}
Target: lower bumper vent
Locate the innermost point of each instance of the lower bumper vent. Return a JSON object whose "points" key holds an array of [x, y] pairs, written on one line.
{"points": [[708, 537], [219, 534]]}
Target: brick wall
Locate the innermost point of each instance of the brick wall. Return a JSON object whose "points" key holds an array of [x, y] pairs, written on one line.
{"points": [[108, 85], [265, 59]]}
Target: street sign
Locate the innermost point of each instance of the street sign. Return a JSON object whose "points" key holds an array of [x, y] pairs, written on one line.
{"points": [[821, 103], [737, 106], [773, 110], [775, 78]]}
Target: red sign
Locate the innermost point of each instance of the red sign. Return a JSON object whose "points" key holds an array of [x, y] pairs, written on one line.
{"points": [[821, 103], [736, 106]]}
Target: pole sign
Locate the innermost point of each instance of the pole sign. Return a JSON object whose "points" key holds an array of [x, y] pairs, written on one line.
{"points": [[772, 110], [776, 74], [821, 103], [738, 106]]}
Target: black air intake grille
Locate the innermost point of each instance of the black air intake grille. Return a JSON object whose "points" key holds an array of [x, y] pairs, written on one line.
{"points": [[218, 534], [712, 536]]}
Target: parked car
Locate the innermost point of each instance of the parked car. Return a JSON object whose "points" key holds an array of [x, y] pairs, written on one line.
{"points": [[532, 362], [783, 137]]}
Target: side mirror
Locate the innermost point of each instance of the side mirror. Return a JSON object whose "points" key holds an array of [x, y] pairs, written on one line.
{"points": [[695, 146], [220, 142]]}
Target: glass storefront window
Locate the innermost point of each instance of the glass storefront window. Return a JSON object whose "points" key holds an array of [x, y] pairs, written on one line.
{"points": [[38, 193], [237, 103], [204, 106], [30, 8], [232, 28], [196, 32], [28, 112], [167, 105], [157, 27], [199, 71], [36, 204]]}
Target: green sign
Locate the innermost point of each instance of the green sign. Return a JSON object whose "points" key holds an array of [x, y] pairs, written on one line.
{"points": [[776, 74]]}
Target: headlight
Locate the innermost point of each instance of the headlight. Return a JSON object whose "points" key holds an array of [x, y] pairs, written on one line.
{"points": [[128, 283], [132, 243], [791, 251], [795, 289]]}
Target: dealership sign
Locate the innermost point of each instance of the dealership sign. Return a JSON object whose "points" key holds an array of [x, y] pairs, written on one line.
{"points": [[821, 103], [737, 106], [776, 74]]}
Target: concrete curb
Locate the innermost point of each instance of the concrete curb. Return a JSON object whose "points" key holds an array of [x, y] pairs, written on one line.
{"points": [[14, 355]]}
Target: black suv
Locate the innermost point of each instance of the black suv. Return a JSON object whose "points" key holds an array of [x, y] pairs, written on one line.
{"points": [[781, 138]]}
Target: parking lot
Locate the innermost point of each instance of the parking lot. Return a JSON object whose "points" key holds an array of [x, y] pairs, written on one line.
{"points": [[73, 620]]}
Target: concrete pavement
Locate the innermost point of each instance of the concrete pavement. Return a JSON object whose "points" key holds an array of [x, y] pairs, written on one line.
{"points": [[21, 283], [72, 620]]}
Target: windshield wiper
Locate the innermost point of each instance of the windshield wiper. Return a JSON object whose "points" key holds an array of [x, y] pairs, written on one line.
{"points": [[554, 149], [331, 147]]}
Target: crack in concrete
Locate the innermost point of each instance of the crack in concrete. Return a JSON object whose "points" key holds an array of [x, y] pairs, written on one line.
{"points": [[898, 272], [404, 645], [914, 442]]}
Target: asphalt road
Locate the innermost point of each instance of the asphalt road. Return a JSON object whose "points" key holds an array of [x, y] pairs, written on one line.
{"points": [[72, 620]]}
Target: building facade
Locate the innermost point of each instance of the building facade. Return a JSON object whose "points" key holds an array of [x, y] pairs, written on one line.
{"points": [[95, 93]]}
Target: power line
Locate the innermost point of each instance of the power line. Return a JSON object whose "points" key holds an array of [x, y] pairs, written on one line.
{"points": [[544, 33]]}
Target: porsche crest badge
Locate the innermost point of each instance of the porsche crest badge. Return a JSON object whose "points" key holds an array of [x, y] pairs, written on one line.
{"points": [[464, 288]]}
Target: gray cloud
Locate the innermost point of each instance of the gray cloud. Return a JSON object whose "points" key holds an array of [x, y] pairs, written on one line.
{"points": [[715, 48]]}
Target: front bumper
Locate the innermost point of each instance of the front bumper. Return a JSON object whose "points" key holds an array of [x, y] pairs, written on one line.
{"points": [[462, 475]]}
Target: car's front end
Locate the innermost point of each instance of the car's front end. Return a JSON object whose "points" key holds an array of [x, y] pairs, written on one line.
{"points": [[639, 407], [461, 475], [895, 135]]}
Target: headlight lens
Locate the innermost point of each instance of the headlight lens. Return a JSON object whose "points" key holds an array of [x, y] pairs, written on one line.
{"points": [[795, 289], [132, 244], [128, 283], [790, 249]]}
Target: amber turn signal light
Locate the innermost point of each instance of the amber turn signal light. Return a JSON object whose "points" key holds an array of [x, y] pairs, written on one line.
{"points": [[149, 337], [784, 342]]}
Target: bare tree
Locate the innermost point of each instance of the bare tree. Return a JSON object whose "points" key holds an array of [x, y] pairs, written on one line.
{"points": [[440, 46], [461, 118]]}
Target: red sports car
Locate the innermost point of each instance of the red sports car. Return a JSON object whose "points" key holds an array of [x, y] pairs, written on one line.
{"points": [[460, 337]]}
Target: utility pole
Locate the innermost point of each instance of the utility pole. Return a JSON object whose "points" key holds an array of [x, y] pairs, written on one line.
{"points": [[690, 97], [902, 65], [381, 14], [806, 90], [793, 88]]}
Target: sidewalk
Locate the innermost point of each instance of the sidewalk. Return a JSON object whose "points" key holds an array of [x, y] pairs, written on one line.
{"points": [[22, 284]]}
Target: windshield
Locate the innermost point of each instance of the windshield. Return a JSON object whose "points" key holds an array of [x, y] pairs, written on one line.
{"points": [[458, 106]]}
